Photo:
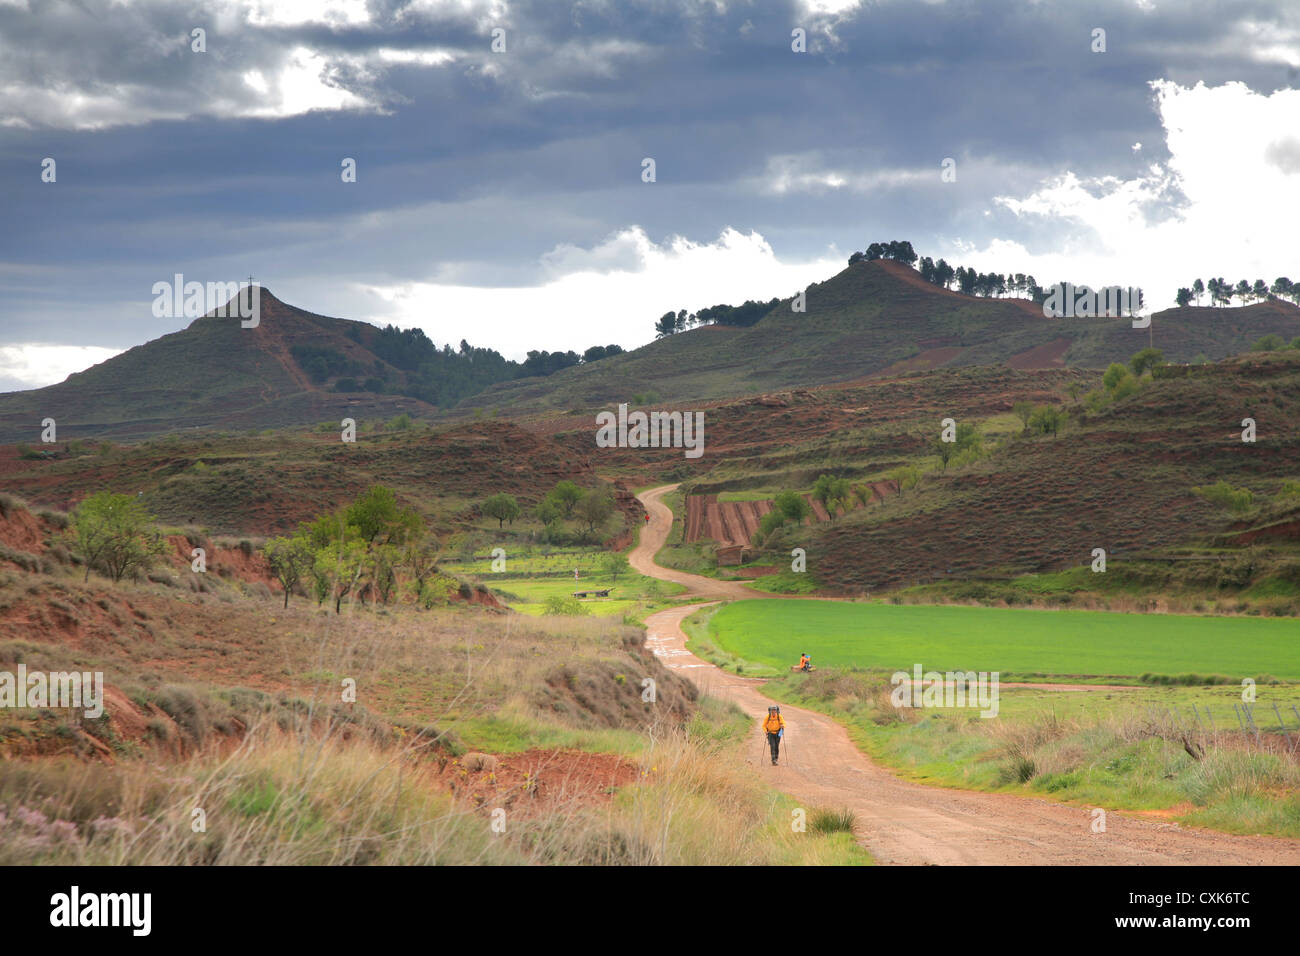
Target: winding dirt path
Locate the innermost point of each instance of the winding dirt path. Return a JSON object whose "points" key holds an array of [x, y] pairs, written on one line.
{"points": [[907, 823]]}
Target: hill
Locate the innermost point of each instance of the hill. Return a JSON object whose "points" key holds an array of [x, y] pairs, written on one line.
{"points": [[880, 318], [873, 320], [267, 484], [1120, 479], [213, 373]]}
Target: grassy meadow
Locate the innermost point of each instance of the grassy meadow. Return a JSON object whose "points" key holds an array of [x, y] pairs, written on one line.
{"points": [[531, 576], [1019, 643]]}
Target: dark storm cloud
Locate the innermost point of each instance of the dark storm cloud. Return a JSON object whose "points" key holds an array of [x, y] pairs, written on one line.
{"points": [[472, 170]]}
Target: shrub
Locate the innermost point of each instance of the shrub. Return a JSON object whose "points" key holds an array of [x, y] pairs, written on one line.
{"points": [[1223, 495], [564, 604], [1125, 387], [56, 518], [832, 821]]}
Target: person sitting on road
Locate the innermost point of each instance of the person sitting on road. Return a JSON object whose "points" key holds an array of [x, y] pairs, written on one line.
{"points": [[774, 726]]}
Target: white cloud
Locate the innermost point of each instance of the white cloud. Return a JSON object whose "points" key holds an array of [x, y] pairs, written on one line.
{"points": [[827, 7], [302, 84], [433, 57], [1221, 206], [805, 173], [303, 81], [611, 293], [285, 13], [35, 365]]}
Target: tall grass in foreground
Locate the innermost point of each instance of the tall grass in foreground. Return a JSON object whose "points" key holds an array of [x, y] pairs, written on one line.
{"points": [[282, 799]]}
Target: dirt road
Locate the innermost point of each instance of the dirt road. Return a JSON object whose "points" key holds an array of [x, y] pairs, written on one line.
{"points": [[907, 823]]}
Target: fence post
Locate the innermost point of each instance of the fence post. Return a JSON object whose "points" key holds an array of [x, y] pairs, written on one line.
{"points": [[1283, 726]]}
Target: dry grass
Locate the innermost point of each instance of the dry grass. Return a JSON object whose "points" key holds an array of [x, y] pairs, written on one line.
{"points": [[282, 798]]}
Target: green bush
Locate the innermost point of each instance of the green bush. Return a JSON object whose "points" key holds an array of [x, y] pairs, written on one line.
{"points": [[564, 604], [1223, 495]]}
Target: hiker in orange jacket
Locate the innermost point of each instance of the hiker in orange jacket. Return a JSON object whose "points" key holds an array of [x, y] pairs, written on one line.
{"points": [[804, 662], [774, 726]]}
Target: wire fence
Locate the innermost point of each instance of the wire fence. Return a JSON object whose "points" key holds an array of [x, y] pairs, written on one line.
{"points": [[1198, 727]]}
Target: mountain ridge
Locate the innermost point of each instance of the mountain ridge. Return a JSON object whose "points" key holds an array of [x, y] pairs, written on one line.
{"points": [[872, 319]]}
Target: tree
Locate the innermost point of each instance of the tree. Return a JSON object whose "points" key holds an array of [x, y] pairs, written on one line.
{"points": [[905, 477], [1220, 291], [1198, 287], [1024, 411], [1183, 298], [594, 508], [1047, 419], [944, 273], [502, 507], [666, 325], [830, 491], [114, 533], [598, 352], [792, 506], [1113, 375], [382, 564], [1283, 288], [1242, 291], [768, 524], [342, 563], [965, 438], [945, 450], [422, 557], [1259, 291], [1145, 359], [378, 518], [547, 511], [565, 495], [290, 560], [966, 280], [612, 565]]}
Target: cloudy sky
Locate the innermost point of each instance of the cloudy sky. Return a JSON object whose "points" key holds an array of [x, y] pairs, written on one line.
{"points": [[499, 194]]}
